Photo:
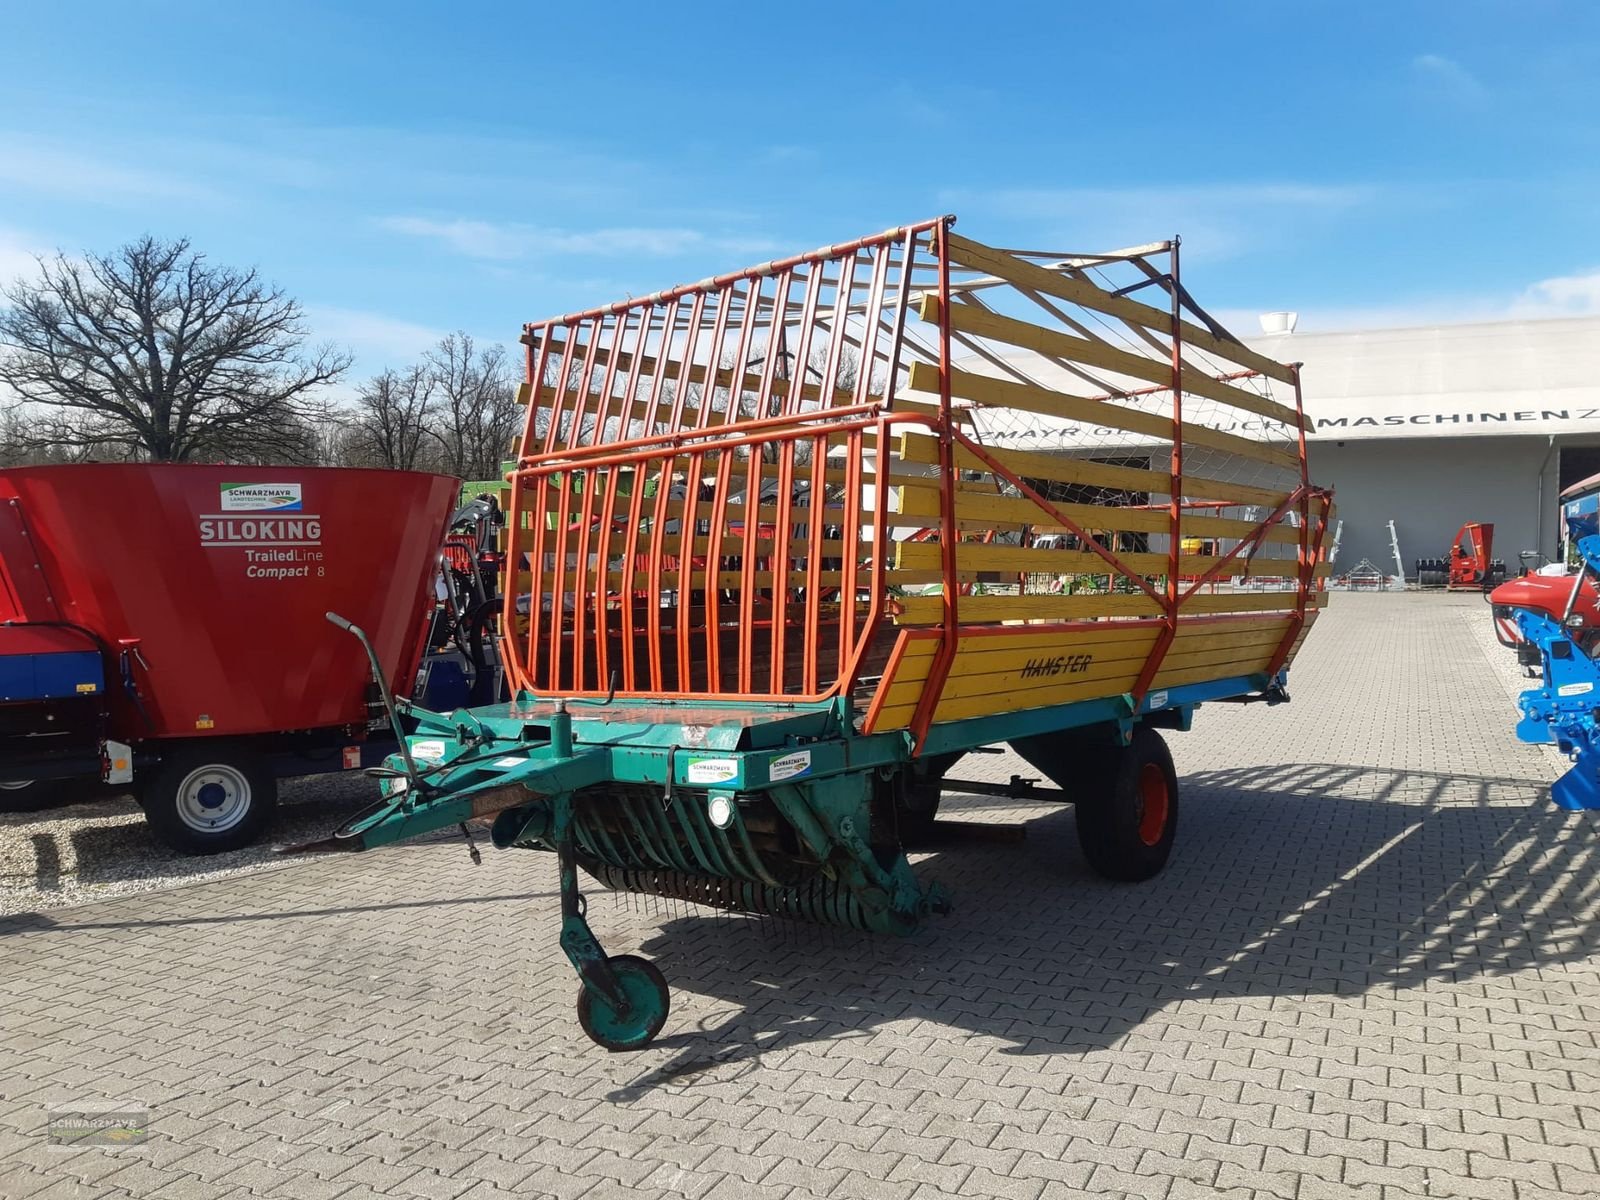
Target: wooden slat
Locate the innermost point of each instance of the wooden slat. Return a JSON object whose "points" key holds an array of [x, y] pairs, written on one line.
{"points": [[929, 610], [968, 318], [981, 510], [960, 415], [1005, 393], [976, 557], [924, 448], [1225, 602], [1022, 273], [1170, 677]]}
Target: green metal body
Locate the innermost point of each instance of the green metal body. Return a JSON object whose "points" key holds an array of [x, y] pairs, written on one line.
{"points": [[773, 808]]}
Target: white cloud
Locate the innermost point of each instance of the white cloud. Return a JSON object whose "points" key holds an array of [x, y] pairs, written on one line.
{"points": [[19, 255], [1217, 221], [503, 241], [1576, 295], [475, 239], [1560, 296], [32, 165], [372, 337], [1448, 80]]}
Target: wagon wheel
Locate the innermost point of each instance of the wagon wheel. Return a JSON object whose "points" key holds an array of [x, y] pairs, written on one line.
{"points": [[209, 798], [1128, 812], [24, 795], [916, 798], [635, 1026]]}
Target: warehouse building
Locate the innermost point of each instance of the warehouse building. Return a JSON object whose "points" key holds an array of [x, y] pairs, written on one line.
{"points": [[1437, 426]]}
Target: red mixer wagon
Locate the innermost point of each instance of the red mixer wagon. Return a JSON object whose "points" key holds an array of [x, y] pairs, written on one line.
{"points": [[162, 628]]}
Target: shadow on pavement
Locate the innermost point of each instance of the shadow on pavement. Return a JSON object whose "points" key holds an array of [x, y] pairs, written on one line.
{"points": [[101, 837], [31, 922], [1301, 880]]}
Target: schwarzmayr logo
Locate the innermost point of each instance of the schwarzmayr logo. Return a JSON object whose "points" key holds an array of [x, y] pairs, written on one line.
{"points": [[261, 497], [71, 1126]]}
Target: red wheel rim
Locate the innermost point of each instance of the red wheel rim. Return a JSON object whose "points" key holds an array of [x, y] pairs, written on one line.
{"points": [[1155, 803]]}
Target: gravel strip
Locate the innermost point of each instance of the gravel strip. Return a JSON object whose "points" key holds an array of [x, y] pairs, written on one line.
{"points": [[100, 848]]}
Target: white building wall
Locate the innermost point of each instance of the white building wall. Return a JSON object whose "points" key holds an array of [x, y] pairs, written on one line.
{"points": [[1430, 487]]}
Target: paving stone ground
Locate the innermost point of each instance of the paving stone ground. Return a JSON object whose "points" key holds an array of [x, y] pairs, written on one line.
{"points": [[1370, 970]]}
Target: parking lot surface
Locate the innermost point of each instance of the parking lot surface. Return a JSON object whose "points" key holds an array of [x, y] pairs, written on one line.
{"points": [[1370, 970]]}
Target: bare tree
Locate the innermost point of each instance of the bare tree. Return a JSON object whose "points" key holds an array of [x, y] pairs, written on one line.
{"points": [[393, 411], [16, 449], [21, 445], [156, 353], [477, 405]]}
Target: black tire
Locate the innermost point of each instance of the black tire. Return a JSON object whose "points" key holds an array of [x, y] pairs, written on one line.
{"points": [[918, 807], [29, 796], [1128, 815], [642, 980], [209, 799]]}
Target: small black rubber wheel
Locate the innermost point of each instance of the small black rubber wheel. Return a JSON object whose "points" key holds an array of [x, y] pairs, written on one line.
{"points": [[1128, 815], [209, 799], [648, 1003]]}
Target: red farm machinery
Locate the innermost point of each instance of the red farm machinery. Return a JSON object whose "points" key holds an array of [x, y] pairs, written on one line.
{"points": [[162, 630], [1469, 567]]}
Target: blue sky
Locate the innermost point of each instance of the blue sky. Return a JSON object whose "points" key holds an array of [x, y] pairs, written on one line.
{"points": [[407, 169]]}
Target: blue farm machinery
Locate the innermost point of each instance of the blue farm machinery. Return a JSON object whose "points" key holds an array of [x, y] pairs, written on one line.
{"points": [[782, 546], [1554, 618]]}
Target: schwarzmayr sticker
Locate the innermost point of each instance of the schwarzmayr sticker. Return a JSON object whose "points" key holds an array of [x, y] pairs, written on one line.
{"points": [[712, 770], [261, 497]]}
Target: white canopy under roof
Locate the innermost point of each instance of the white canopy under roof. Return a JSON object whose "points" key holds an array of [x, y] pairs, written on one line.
{"points": [[1500, 378], [1491, 378]]}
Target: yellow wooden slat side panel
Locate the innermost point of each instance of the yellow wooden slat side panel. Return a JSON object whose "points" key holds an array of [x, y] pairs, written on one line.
{"points": [[991, 675], [1022, 671], [1106, 677], [996, 653]]}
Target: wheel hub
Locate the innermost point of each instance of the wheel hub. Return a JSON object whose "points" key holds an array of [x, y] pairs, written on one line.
{"points": [[1154, 803], [634, 1025], [213, 798]]}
